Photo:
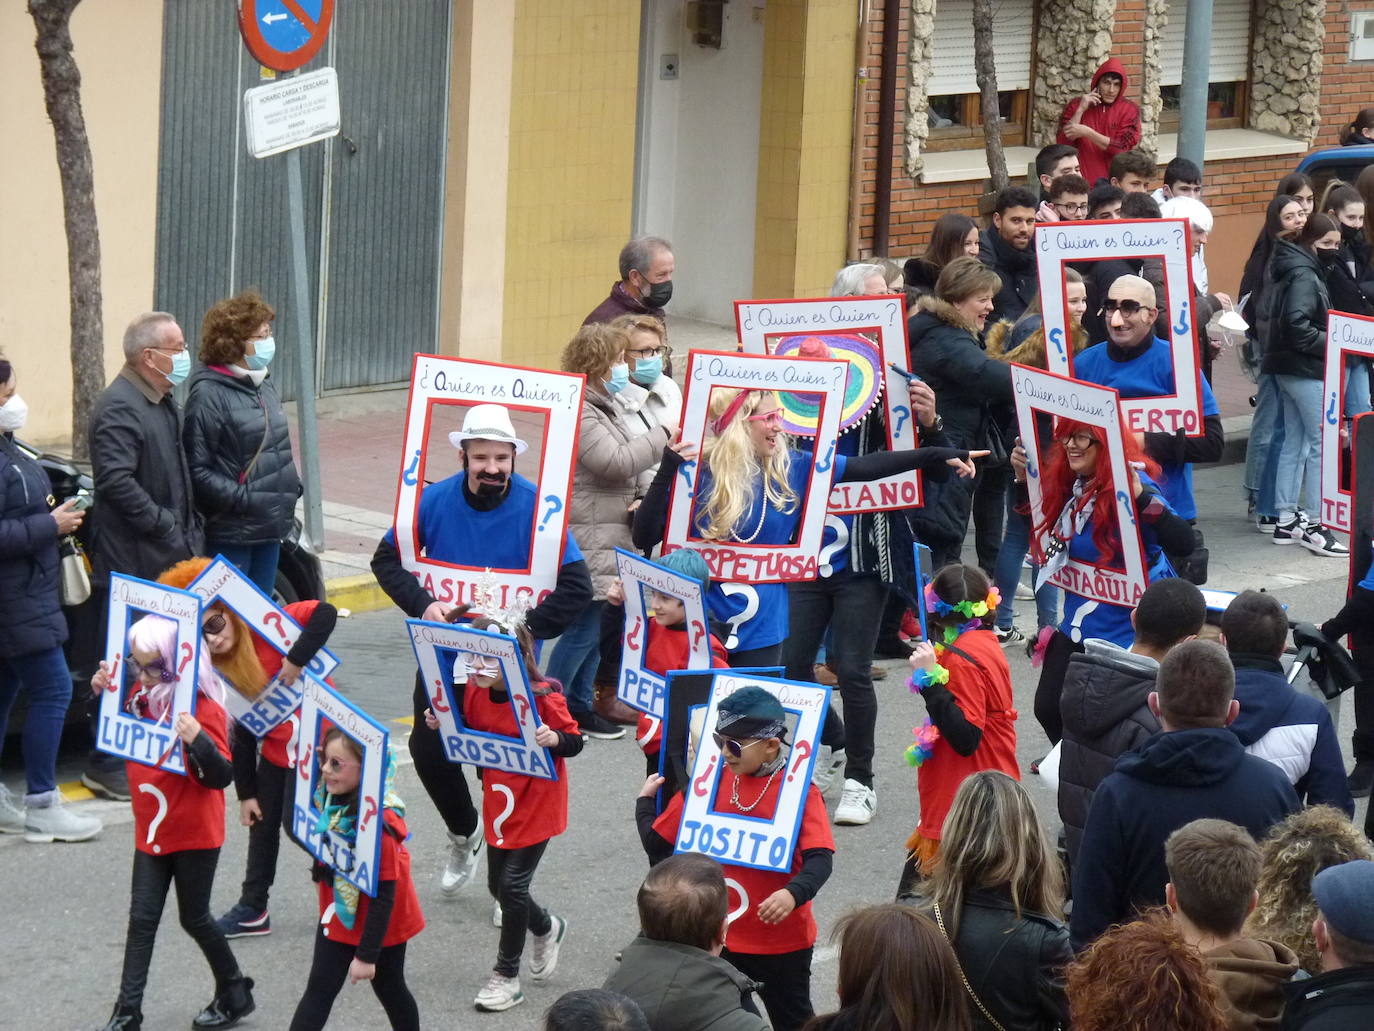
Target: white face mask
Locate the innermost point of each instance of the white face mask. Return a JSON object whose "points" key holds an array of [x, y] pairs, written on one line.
{"points": [[13, 414]]}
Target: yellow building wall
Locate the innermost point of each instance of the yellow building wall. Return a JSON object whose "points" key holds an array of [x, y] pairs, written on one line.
{"points": [[118, 47], [804, 147], [572, 161]]}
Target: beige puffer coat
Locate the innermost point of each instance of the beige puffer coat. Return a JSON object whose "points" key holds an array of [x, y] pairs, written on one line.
{"points": [[609, 458]]}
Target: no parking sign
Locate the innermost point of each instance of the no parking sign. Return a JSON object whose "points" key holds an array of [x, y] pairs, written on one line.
{"points": [[284, 34]]}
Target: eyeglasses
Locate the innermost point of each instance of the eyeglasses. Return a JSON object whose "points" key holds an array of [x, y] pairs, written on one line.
{"points": [[1078, 441], [335, 764], [732, 747], [773, 418], [1072, 209], [1127, 308], [214, 624], [648, 352], [156, 668]]}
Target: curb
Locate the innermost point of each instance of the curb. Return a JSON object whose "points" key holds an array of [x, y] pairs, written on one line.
{"points": [[358, 593]]}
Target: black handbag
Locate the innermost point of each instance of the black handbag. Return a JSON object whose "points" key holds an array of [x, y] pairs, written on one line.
{"points": [[999, 455]]}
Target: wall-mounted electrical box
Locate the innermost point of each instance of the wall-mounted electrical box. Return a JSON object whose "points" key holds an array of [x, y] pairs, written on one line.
{"points": [[706, 22], [1362, 36]]}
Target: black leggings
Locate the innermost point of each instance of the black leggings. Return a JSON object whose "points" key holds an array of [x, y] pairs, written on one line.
{"points": [[276, 796], [509, 872], [328, 972], [785, 980], [444, 781], [1050, 689], [193, 872], [768, 655]]}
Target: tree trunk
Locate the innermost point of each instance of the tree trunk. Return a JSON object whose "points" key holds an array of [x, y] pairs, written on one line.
{"points": [[62, 96], [986, 71]]}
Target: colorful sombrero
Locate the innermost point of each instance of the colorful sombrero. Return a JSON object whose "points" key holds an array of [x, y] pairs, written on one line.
{"points": [[863, 386]]}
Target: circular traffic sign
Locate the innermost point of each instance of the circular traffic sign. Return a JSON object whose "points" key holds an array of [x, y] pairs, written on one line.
{"points": [[284, 34]]}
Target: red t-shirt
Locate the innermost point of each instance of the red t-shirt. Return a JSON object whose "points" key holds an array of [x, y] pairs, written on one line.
{"points": [[407, 920], [175, 813], [668, 650], [985, 696], [277, 743], [749, 886], [518, 810]]}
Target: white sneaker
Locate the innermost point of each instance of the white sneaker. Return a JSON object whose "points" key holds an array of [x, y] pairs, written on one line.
{"points": [[1317, 539], [11, 816], [857, 804], [496, 915], [544, 953], [828, 764], [463, 854], [1024, 592], [56, 822], [499, 993]]}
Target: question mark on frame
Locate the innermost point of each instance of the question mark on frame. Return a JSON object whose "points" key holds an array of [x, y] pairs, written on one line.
{"points": [[1182, 325], [523, 705], [1125, 500], [632, 638], [114, 671], [698, 632], [700, 784], [685, 471], [903, 417], [274, 619], [412, 474], [801, 750], [303, 759], [1178, 235], [368, 812], [186, 652], [891, 312], [500, 821], [743, 907], [840, 542], [555, 504], [1057, 339], [1331, 409], [161, 814], [823, 466], [437, 698], [750, 610], [572, 394]]}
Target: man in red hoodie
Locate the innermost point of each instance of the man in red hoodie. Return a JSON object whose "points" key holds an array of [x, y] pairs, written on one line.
{"points": [[1102, 123]]}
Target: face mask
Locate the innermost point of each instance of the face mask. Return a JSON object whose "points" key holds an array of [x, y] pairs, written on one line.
{"points": [[181, 367], [13, 414], [264, 350], [1328, 255], [620, 378], [659, 294], [1350, 234], [647, 370]]}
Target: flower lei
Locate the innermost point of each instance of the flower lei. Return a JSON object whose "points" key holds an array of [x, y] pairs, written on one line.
{"points": [[920, 750]]}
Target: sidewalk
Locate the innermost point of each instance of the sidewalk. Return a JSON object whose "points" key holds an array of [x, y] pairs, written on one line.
{"points": [[360, 454]]}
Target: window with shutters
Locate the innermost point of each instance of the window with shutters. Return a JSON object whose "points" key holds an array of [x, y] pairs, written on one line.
{"points": [[1229, 73], [956, 117]]}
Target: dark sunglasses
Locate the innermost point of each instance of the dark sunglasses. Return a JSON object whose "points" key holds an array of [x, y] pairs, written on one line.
{"points": [[215, 624], [156, 666], [730, 746], [1125, 307]]}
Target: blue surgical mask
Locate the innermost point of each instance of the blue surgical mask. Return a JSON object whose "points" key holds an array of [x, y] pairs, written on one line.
{"points": [[264, 350], [181, 367], [647, 370], [620, 378]]}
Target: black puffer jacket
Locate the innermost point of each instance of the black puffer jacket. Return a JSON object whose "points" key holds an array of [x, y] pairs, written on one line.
{"points": [[1106, 714], [1020, 282], [145, 519], [946, 353], [1348, 278], [1298, 302], [226, 420], [30, 612]]}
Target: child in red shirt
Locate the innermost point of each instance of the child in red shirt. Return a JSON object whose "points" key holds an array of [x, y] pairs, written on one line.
{"points": [[178, 826], [360, 938], [772, 938], [668, 647], [966, 684], [520, 814]]}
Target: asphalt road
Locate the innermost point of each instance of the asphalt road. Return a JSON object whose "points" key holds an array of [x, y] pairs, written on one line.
{"points": [[64, 908]]}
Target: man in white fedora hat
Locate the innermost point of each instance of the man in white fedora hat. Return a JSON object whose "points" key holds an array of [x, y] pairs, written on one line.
{"points": [[482, 516]]}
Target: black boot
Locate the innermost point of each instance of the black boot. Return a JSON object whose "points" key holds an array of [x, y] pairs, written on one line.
{"points": [[1361, 779], [124, 1018], [232, 1003]]}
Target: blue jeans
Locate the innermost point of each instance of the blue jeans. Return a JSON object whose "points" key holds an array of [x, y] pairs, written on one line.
{"points": [[1266, 442], [1356, 387], [258, 562], [576, 657], [1008, 573], [45, 677], [1300, 462]]}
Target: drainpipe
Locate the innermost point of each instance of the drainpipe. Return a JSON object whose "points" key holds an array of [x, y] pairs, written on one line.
{"points": [[856, 146], [887, 115], [1197, 58]]}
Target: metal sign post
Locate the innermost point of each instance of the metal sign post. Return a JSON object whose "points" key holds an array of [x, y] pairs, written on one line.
{"points": [[283, 35]]}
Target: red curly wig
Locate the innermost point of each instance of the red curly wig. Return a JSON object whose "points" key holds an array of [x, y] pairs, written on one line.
{"points": [[1056, 482]]}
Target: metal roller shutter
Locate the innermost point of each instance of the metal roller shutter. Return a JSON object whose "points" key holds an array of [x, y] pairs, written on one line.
{"points": [[1230, 42], [952, 47]]}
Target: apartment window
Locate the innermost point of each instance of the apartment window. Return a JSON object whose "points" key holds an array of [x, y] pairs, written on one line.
{"points": [[956, 117], [1227, 88]]}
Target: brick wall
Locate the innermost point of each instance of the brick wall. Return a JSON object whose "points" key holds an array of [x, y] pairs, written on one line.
{"points": [[1235, 189]]}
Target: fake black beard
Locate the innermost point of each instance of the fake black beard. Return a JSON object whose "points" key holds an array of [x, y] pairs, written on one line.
{"points": [[489, 490]]}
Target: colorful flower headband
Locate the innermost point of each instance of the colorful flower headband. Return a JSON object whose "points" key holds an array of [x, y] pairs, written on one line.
{"points": [[968, 609]]}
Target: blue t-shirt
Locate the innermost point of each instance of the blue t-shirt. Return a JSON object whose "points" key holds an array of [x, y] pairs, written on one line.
{"points": [[769, 623], [451, 530], [1085, 617], [847, 447], [1149, 374]]}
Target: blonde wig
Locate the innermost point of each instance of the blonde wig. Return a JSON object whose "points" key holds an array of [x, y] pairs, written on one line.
{"points": [[736, 472]]}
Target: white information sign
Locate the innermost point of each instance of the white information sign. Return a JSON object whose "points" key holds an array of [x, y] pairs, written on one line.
{"points": [[291, 112]]}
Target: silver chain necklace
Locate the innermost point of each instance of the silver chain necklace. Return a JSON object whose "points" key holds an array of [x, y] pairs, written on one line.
{"points": [[734, 793]]}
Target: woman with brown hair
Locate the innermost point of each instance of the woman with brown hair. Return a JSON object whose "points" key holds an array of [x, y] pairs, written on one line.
{"points": [[897, 973], [1145, 977], [952, 236], [238, 445]]}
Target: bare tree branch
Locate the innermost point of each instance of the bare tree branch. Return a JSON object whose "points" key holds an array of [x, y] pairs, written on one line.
{"points": [[985, 68]]}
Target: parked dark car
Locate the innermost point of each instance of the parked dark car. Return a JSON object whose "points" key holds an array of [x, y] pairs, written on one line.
{"points": [[299, 577], [1343, 163]]}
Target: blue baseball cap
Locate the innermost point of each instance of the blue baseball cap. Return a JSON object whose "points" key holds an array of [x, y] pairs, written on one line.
{"points": [[1345, 896]]}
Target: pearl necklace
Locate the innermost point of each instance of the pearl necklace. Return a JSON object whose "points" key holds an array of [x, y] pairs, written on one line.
{"points": [[734, 793], [763, 511]]}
